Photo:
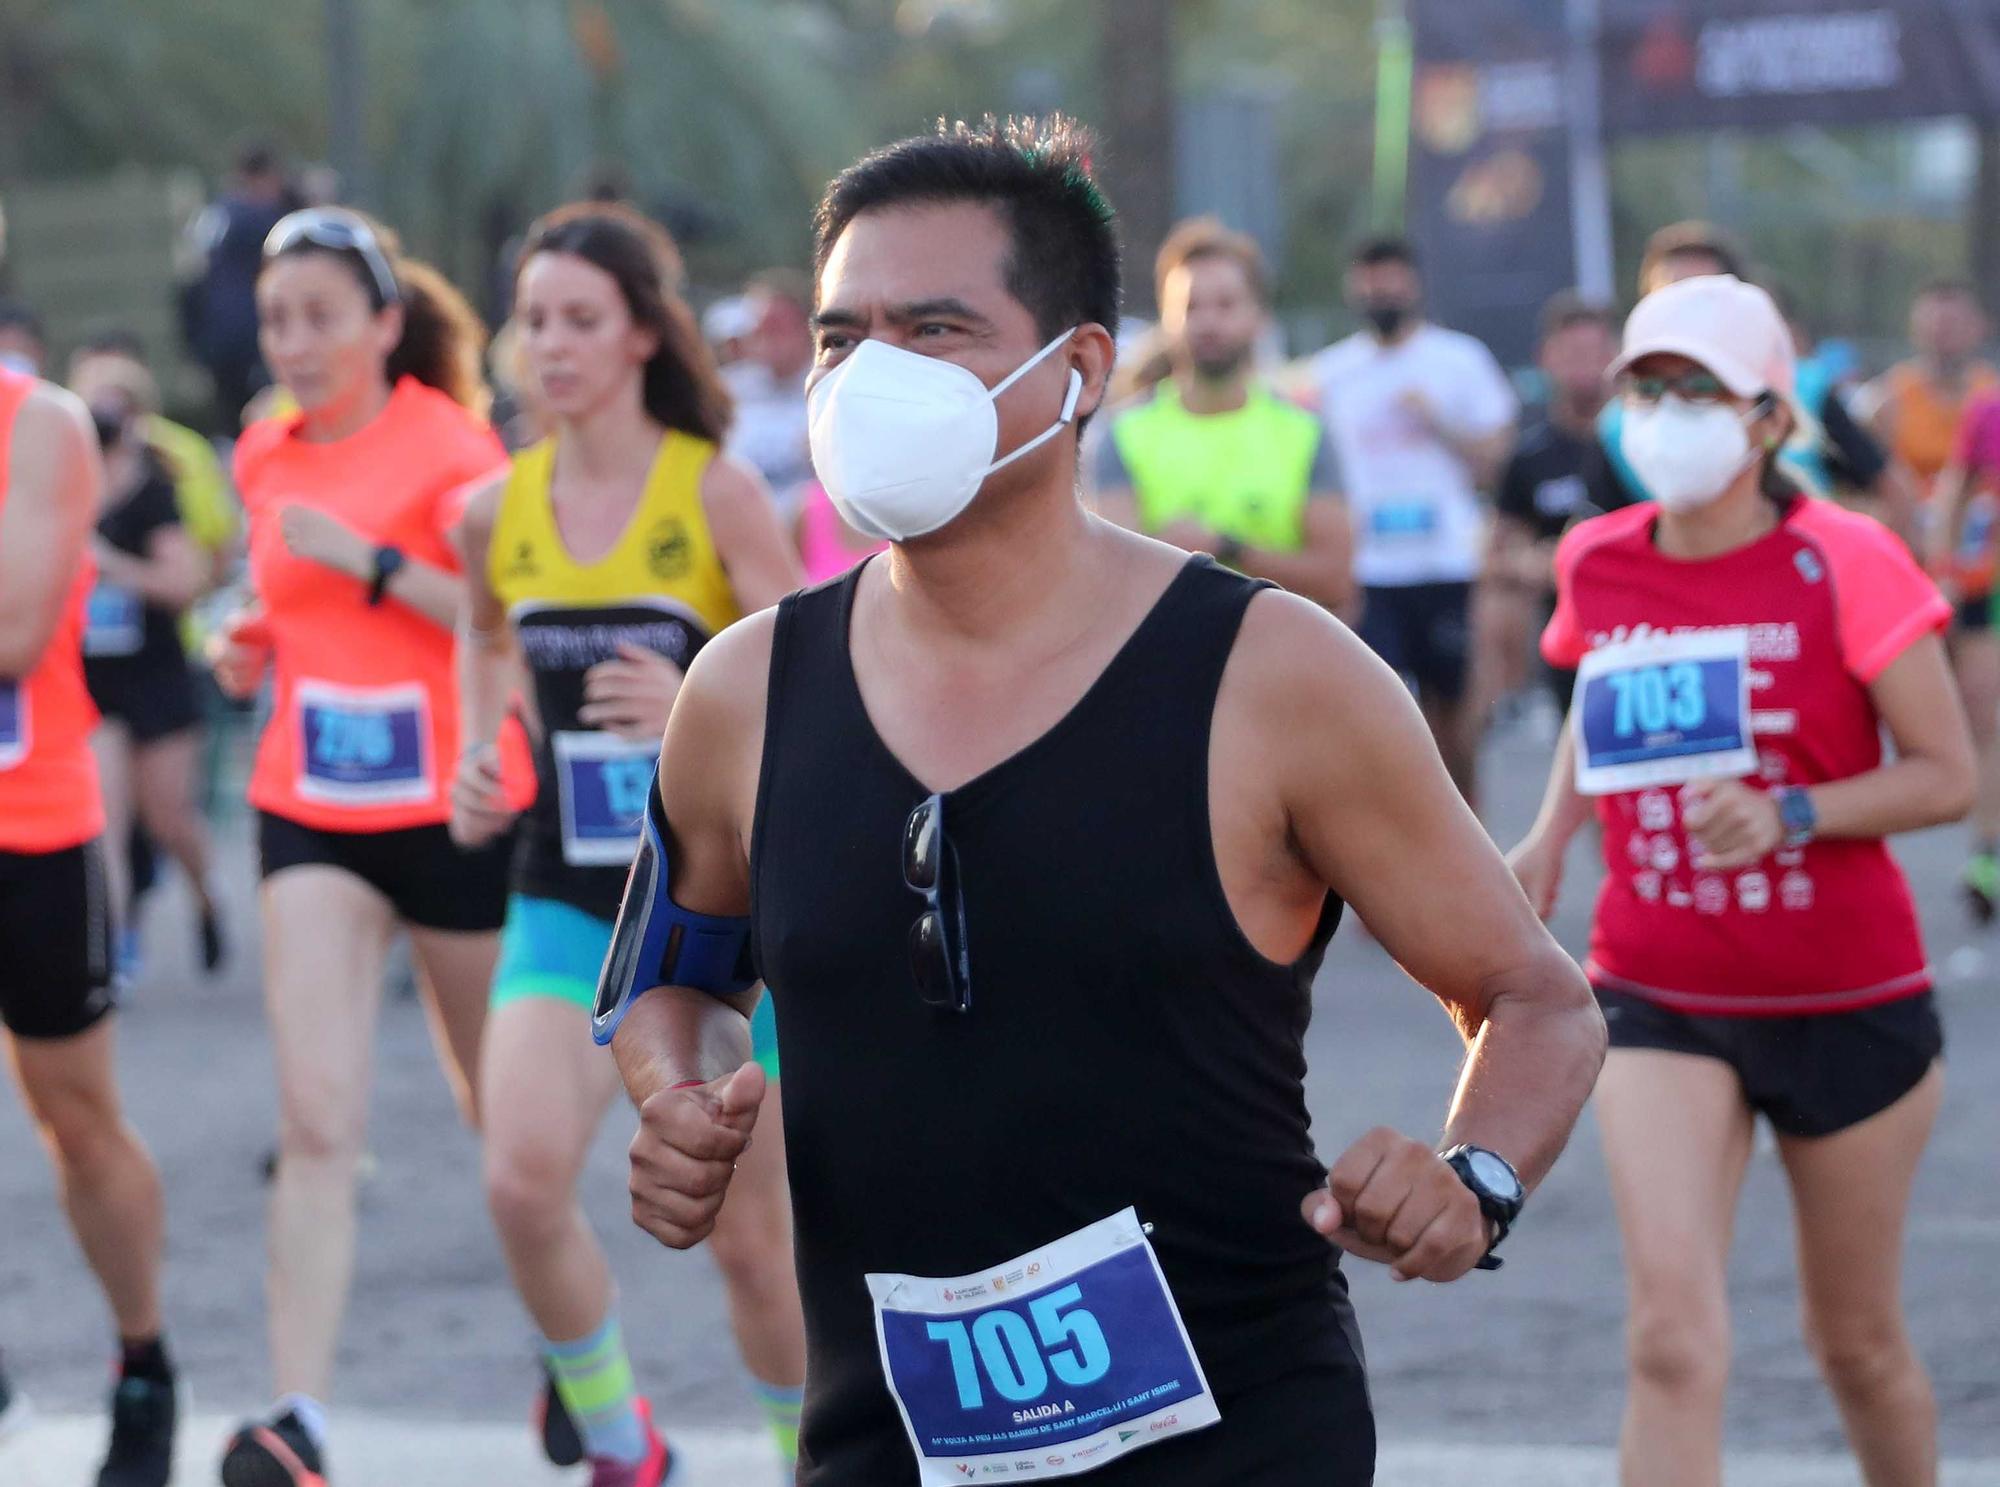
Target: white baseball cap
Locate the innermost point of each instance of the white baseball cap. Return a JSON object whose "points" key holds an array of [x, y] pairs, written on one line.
{"points": [[1731, 328]]}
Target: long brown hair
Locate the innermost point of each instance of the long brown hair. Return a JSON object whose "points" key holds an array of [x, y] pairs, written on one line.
{"points": [[444, 341], [683, 388]]}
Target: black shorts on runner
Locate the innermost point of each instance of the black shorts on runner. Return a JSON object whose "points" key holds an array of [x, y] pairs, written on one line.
{"points": [[1809, 1076], [55, 942], [153, 701], [429, 881], [1975, 613], [1424, 632]]}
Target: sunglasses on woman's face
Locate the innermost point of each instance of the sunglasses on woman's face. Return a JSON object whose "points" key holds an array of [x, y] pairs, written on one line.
{"points": [[1689, 387], [938, 960]]}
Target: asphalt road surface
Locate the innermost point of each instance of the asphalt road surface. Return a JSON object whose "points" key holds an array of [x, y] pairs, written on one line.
{"points": [[1504, 1378]]}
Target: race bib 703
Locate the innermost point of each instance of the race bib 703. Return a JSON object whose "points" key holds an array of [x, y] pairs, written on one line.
{"points": [[1664, 710]]}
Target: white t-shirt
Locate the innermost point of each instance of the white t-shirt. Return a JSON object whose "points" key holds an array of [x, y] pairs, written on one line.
{"points": [[1417, 513], [770, 430]]}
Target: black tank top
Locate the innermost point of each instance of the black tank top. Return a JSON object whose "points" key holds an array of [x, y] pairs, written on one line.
{"points": [[1126, 1046]]}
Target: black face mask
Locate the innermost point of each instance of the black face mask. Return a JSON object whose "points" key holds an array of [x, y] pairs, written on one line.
{"points": [[1387, 316], [110, 426]]}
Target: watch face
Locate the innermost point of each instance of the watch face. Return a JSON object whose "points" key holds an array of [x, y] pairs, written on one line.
{"points": [[1494, 1175]]}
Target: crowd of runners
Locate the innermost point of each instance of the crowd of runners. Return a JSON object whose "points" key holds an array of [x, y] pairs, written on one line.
{"points": [[1132, 657]]}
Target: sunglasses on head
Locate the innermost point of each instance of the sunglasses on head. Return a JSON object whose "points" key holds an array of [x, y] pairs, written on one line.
{"points": [[335, 231]]}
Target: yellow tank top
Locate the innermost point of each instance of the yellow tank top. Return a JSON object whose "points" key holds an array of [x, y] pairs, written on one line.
{"points": [[664, 553], [662, 588]]}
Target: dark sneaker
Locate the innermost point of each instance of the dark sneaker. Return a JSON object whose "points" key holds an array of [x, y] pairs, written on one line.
{"points": [[561, 1442], [13, 1407], [144, 1413], [212, 948], [277, 1452]]}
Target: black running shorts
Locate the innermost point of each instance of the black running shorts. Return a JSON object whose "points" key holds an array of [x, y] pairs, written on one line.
{"points": [[428, 880], [1809, 1076], [154, 700], [55, 942], [1424, 632]]}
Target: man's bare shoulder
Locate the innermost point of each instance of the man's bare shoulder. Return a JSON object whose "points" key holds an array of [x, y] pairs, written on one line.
{"points": [[727, 683], [54, 414], [1294, 657]]}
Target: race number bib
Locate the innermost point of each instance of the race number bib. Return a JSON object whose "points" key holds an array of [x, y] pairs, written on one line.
{"points": [[601, 785], [14, 732], [114, 622], [364, 746], [1404, 520], [1662, 711], [1051, 1364]]}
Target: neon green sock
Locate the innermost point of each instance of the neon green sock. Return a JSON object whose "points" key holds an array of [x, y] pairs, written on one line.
{"points": [[781, 1412], [594, 1378]]}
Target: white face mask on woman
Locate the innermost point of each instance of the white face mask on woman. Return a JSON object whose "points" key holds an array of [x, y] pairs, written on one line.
{"points": [[903, 442], [1685, 454]]}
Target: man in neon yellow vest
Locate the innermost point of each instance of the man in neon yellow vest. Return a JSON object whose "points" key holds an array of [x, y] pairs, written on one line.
{"points": [[1212, 460]]}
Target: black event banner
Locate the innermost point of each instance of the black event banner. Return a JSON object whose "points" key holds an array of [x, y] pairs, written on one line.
{"points": [[1754, 64], [1489, 165]]}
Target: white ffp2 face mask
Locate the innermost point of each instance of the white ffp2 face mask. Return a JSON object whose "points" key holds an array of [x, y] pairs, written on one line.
{"points": [[902, 442], [1685, 454]]}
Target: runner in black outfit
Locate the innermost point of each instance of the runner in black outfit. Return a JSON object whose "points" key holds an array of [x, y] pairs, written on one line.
{"points": [[1052, 825]]}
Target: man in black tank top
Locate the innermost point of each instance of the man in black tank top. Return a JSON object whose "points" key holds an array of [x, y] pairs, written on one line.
{"points": [[1042, 828]]}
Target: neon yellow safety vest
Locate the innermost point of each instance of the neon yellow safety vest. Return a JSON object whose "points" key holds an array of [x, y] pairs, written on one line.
{"points": [[1245, 474]]}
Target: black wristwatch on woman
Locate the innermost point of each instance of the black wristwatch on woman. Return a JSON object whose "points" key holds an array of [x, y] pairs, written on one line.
{"points": [[1496, 1185], [388, 562]]}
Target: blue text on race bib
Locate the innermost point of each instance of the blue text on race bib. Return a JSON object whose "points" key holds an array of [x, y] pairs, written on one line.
{"points": [[1663, 711], [601, 785], [362, 747], [114, 621]]}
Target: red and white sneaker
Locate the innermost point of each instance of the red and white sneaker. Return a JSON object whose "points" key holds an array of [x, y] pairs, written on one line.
{"points": [[657, 1470]]}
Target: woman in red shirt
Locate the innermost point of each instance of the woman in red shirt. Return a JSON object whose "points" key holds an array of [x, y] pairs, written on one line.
{"points": [[351, 502], [1755, 947]]}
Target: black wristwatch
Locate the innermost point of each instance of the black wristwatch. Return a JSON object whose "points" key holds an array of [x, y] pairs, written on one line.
{"points": [[388, 563], [1496, 1185]]}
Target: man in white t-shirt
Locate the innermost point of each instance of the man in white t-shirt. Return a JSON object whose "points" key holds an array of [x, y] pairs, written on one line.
{"points": [[768, 386], [1422, 419]]}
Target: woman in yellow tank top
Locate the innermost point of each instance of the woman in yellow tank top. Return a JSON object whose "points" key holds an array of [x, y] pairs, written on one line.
{"points": [[603, 561]]}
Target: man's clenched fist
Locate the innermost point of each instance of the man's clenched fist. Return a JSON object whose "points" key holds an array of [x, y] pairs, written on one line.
{"points": [[686, 1151], [1397, 1202]]}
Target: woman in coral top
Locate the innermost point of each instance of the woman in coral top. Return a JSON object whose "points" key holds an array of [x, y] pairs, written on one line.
{"points": [[351, 503], [1741, 649]]}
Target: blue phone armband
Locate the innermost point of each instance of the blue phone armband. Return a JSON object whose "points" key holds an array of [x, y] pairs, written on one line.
{"points": [[658, 943]]}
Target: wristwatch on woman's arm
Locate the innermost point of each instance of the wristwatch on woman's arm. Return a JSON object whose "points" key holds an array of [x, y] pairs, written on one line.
{"points": [[1797, 814], [387, 563]]}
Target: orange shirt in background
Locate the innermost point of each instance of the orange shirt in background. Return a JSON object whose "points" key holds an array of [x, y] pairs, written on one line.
{"points": [[49, 797], [1924, 424], [363, 735]]}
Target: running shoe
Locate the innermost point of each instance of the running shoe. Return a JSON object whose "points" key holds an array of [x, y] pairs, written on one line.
{"points": [[657, 1470], [274, 1452], [560, 1441], [1982, 886], [212, 948], [144, 1414], [13, 1407]]}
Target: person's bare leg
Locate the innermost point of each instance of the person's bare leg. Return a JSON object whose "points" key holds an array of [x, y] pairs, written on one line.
{"points": [[112, 745], [1975, 658], [1677, 1142], [1503, 644], [455, 974], [752, 1244], [164, 774], [109, 1186], [545, 1087], [1851, 1193], [326, 936]]}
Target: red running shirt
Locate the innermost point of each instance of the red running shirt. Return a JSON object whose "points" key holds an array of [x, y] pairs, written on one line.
{"points": [[49, 798], [1830, 599], [363, 735]]}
